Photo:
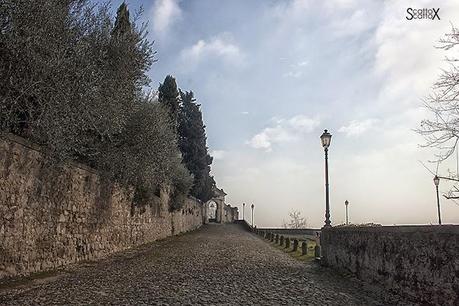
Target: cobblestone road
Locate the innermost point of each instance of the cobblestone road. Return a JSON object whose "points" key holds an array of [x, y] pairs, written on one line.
{"points": [[218, 264]]}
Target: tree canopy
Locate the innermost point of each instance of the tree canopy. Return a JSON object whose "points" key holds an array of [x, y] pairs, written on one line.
{"points": [[193, 145], [168, 95], [296, 221], [441, 128], [73, 81]]}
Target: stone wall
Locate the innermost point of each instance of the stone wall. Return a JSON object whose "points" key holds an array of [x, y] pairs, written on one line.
{"points": [[51, 217], [419, 262], [230, 214], [292, 231]]}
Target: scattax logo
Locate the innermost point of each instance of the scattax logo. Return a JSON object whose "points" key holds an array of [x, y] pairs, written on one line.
{"points": [[423, 13]]}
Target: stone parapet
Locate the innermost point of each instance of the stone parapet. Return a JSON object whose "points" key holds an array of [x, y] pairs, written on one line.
{"points": [[419, 262]]}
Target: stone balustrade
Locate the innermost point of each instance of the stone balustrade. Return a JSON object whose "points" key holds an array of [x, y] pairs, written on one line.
{"points": [[292, 244]]}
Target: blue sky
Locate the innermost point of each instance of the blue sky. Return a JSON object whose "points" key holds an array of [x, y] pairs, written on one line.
{"points": [[271, 75]]}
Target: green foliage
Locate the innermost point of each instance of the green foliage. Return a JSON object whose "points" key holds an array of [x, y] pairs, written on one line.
{"points": [[168, 95], [182, 182], [72, 80], [122, 22], [144, 153], [192, 144], [71, 83]]}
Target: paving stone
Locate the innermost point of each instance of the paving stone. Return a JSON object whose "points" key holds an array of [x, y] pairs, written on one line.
{"points": [[217, 264]]}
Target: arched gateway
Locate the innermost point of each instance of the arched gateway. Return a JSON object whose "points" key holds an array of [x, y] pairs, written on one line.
{"points": [[217, 211], [212, 211]]}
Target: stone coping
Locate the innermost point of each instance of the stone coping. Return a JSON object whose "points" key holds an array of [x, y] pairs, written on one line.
{"points": [[288, 229], [447, 228]]}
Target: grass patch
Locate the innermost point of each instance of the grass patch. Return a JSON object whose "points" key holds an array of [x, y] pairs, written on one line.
{"points": [[309, 257], [34, 278]]}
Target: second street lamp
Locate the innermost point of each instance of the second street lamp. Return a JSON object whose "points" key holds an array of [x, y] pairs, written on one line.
{"points": [[253, 206], [243, 206], [347, 213], [437, 182], [326, 139]]}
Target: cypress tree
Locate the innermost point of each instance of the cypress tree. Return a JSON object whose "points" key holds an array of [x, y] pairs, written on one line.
{"points": [[169, 96], [192, 144], [122, 23]]}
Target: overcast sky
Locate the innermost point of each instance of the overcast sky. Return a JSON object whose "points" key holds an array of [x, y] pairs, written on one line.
{"points": [[272, 75]]}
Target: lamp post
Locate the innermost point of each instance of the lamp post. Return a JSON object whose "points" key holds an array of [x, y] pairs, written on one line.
{"points": [[253, 206], [326, 139], [437, 182], [243, 206], [347, 213]]}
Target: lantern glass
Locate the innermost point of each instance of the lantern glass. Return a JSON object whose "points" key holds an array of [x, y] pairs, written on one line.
{"points": [[326, 139], [436, 180]]}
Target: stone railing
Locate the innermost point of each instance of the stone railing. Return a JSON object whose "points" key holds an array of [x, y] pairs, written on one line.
{"points": [[304, 245], [418, 262], [293, 232]]}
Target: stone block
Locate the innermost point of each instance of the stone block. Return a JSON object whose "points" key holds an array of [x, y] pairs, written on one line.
{"points": [[304, 248], [295, 245], [62, 218]]}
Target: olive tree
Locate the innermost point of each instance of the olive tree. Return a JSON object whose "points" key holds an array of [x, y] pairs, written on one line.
{"points": [[71, 77], [72, 81]]}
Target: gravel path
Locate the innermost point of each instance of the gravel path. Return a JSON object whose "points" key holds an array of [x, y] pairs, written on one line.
{"points": [[217, 264]]}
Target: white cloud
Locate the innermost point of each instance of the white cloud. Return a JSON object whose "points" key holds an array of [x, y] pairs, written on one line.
{"points": [[293, 74], [244, 113], [261, 141], [303, 63], [356, 128], [218, 154], [342, 3], [165, 13], [297, 70], [359, 21], [284, 130], [303, 123], [291, 10], [221, 46]]}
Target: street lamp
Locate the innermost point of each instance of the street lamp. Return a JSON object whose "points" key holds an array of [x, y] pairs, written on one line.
{"points": [[252, 213], [243, 206], [437, 182], [347, 213], [326, 139]]}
